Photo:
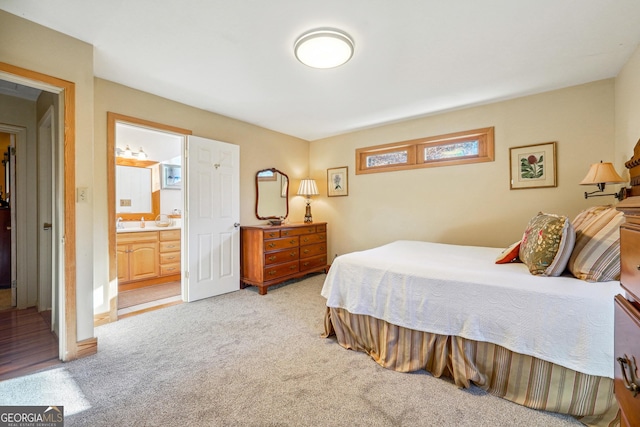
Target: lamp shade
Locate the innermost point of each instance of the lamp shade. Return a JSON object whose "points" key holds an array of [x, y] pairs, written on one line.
{"points": [[602, 173], [308, 187]]}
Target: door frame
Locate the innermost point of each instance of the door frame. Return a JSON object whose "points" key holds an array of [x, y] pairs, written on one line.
{"points": [[112, 118], [68, 341]]}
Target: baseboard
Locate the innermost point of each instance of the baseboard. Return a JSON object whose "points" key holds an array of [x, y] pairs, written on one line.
{"points": [[87, 347]]}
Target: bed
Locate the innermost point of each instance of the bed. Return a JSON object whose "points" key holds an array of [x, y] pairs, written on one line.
{"points": [[543, 340]]}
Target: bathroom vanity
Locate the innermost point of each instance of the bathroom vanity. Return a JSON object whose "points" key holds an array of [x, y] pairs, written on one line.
{"points": [[147, 256]]}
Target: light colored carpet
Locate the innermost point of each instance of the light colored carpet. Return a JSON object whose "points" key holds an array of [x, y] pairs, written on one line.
{"points": [[243, 359]]}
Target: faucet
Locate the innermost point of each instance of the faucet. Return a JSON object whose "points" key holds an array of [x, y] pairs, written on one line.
{"points": [[119, 224]]}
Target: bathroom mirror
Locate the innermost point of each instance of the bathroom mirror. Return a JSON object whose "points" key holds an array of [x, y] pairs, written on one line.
{"points": [[137, 195], [272, 194]]}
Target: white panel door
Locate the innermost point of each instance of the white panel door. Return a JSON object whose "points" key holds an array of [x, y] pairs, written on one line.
{"points": [[212, 231]]}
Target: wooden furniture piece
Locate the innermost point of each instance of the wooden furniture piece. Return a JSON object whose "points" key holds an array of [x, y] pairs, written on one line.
{"points": [[627, 307], [5, 247], [147, 258], [271, 254], [169, 252]]}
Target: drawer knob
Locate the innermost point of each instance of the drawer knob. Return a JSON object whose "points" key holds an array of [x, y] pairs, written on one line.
{"points": [[292, 254], [292, 241], [630, 379], [272, 245], [272, 258], [293, 267], [272, 273]]}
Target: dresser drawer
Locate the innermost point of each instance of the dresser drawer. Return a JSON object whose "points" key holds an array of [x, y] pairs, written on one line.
{"points": [[171, 246], [313, 250], [169, 257], [280, 270], [630, 261], [275, 244], [272, 234], [309, 263], [627, 359], [309, 229], [281, 256], [313, 238]]}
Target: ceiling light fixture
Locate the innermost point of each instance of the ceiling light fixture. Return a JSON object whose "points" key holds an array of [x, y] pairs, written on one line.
{"points": [[323, 48]]}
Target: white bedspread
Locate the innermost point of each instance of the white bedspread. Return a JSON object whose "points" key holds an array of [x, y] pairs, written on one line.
{"points": [[459, 290]]}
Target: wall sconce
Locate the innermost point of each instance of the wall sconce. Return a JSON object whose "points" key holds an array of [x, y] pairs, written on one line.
{"points": [[600, 174], [308, 188], [128, 154]]}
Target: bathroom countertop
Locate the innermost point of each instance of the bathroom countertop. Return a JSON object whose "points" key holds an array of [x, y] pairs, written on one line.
{"points": [[150, 226]]}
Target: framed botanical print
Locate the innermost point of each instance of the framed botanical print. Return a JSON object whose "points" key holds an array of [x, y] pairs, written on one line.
{"points": [[533, 166], [338, 181]]}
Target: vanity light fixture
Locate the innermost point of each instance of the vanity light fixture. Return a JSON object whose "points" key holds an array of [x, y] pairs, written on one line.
{"points": [[600, 174], [308, 188], [127, 153], [324, 48]]}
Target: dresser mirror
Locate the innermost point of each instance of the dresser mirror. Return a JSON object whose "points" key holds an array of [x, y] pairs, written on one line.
{"points": [[272, 194]]}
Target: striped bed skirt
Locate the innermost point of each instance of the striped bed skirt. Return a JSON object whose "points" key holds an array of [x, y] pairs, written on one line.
{"points": [[522, 379]]}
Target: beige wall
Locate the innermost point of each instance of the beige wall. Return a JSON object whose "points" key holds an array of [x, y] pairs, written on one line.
{"points": [[259, 149], [467, 204], [627, 111]]}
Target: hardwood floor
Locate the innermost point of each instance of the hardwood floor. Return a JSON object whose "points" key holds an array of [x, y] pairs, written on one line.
{"points": [[148, 298], [26, 342]]}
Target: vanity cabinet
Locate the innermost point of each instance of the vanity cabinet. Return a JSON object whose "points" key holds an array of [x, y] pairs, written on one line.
{"points": [[137, 256], [272, 254], [147, 258], [169, 252]]}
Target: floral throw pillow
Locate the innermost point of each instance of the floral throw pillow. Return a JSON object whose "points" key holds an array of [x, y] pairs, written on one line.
{"points": [[547, 244]]}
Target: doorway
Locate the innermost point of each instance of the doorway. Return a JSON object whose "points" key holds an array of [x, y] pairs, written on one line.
{"points": [[148, 206], [145, 261], [64, 92]]}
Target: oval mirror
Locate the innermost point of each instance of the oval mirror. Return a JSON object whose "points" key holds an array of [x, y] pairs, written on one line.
{"points": [[272, 194]]}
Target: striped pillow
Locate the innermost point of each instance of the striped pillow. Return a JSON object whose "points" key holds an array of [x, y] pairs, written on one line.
{"points": [[596, 255]]}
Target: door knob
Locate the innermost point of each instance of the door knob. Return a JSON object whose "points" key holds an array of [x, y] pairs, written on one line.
{"points": [[47, 226], [236, 224]]}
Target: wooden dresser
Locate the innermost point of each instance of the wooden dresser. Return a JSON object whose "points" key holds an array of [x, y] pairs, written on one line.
{"points": [[271, 254], [627, 307]]}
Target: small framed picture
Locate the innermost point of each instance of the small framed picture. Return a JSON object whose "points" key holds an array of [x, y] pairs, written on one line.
{"points": [[338, 181], [171, 177], [533, 166]]}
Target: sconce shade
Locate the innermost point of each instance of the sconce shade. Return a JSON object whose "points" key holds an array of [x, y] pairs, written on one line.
{"points": [[308, 187], [602, 173]]}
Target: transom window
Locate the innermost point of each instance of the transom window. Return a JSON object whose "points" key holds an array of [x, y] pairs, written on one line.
{"points": [[458, 148]]}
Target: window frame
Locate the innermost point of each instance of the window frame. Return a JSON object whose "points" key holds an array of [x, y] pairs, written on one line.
{"points": [[415, 149]]}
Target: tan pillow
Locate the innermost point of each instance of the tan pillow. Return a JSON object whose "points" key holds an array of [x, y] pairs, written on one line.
{"points": [[547, 244], [596, 255]]}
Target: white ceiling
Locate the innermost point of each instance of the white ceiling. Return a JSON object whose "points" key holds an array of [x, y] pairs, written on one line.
{"points": [[412, 57]]}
